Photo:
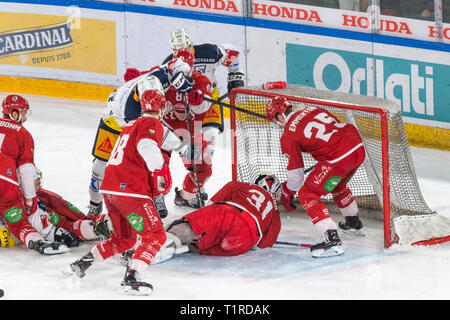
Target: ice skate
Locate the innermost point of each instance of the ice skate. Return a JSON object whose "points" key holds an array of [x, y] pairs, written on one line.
{"points": [[192, 203], [79, 267], [131, 284], [330, 246], [94, 209], [352, 226], [47, 247]]}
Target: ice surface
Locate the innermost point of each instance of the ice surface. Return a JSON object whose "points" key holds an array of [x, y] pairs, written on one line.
{"points": [[64, 131]]}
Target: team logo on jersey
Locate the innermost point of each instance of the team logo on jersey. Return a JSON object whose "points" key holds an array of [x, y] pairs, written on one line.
{"points": [[54, 218], [104, 144], [14, 214], [72, 207], [332, 183], [136, 221]]}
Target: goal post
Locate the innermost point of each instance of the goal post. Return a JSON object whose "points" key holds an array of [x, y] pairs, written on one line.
{"points": [[385, 186]]}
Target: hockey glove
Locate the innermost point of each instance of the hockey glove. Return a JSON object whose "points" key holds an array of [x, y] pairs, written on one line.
{"points": [[131, 74], [182, 83], [235, 80], [161, 181], [188, 151], [195, 97], [287, 197]]}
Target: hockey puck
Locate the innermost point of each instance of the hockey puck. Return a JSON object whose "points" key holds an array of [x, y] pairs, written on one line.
{"points": [[1, 293]]}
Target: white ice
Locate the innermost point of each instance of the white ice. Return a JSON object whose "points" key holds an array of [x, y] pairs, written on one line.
{"points": [[64, 131]]}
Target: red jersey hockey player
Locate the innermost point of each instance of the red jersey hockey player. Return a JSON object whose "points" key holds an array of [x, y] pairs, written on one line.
{"points": [[339, 152], [175, 119], [18, 200], [241, 216], [59, 220], [134, 174]]}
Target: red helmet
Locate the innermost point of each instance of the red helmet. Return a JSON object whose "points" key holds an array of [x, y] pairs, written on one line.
{"points": [[14, 102], [277, 105], [186, 55], [152, 100]]}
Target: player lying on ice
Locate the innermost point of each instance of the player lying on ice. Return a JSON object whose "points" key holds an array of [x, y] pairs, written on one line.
{"points": [[134, 174], [338, 150], [57, 220], [239, 217]]}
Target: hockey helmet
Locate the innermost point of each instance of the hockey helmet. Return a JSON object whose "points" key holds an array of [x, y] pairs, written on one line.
{"points": [[186, 55], [151, 94], [15, 102], [270, 183], [179, 39], [276, 105]]}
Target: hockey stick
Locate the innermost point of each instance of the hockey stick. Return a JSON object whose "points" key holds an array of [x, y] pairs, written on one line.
{"points": [[295, 244], [194, 166], [230, 106]]}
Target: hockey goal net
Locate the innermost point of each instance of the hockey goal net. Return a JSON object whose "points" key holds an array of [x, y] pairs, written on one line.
{"points": [[385, 186]]}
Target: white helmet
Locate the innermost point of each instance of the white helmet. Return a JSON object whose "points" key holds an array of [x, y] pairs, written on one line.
{"points": [[179, 39], [149, 83]]}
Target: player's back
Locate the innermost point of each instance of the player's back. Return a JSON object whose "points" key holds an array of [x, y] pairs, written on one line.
{"points": [[16, 148], [319, 133], [258, 202], [126, 171], [122, 105]]}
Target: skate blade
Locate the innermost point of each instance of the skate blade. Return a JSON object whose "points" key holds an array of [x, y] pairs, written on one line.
{"points": [[69, 272], [331, 252], [136, 290], [50, 251]]}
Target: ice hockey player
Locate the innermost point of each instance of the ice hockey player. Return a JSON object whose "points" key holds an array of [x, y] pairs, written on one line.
{"points": [[134, 174], [338, 149], [208, 58], [239, 217], [175, 118], [123, 106], [18, 199], [56, 219]]}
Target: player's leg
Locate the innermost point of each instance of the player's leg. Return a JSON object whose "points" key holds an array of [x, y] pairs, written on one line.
{"points": [[159, 201], [104, 142], [187, 196], [320, 182], [213, 123], [121, 239], [343, 197], [145, 222]]}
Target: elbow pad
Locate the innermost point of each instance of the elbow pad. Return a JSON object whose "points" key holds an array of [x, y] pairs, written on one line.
{"points": [[27, 176]]}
